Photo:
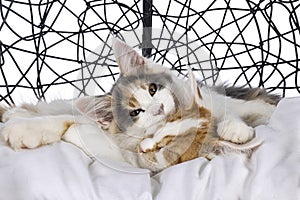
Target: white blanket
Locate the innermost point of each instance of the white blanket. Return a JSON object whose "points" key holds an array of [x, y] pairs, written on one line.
{"points": [[62, 171]]}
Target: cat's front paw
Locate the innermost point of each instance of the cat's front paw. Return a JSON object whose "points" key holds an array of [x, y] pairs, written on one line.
{"points": [[146, 145], [235, 131], [30, 133]]}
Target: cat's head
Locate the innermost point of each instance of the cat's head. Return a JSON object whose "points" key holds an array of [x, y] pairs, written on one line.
{"points": [[145, 94]]}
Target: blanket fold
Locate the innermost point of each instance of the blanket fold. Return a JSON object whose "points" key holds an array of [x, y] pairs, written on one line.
{"points": [[63, 171]]}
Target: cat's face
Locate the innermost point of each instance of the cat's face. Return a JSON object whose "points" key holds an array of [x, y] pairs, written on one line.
{"points": [[143, 100], [145, 94]]}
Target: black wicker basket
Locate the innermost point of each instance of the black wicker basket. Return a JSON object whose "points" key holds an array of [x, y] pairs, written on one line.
{"points": [[61, 48]]}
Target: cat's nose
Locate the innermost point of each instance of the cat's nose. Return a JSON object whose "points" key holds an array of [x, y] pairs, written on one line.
{"points": [[159, 110]]}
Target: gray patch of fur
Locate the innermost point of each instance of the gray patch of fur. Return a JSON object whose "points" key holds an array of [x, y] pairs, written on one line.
{"points": [[248, 94]]}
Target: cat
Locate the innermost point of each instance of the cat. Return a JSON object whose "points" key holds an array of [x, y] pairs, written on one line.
{"points": [[156, 119], [188, 134]]}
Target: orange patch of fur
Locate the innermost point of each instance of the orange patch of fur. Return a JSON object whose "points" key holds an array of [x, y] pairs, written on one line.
{"points": [[133, 102], [187, 145], [66, 126], [2, 111]]}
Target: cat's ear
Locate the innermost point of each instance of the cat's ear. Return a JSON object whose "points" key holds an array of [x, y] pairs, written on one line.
{"points": [[96, 108], [128, 59], [194, 86]]}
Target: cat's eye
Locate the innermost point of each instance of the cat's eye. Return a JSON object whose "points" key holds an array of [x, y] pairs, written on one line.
{"points": [[136, 112], [152, 89]]}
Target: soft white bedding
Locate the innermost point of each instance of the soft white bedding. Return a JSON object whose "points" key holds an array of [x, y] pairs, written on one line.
{"points": [[63, 171]]}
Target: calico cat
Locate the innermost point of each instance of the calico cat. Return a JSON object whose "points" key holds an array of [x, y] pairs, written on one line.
{"points": [[155, 119]]}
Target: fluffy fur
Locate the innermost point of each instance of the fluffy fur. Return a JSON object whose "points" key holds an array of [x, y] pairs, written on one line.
{"points": [[156, 119]]}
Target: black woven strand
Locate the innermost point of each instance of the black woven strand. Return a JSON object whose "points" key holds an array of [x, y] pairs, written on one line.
{"points": [[250, 43]]}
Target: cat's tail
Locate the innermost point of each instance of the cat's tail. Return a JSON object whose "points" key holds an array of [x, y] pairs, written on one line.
{"points": [[248, 94], [252, 144]]}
